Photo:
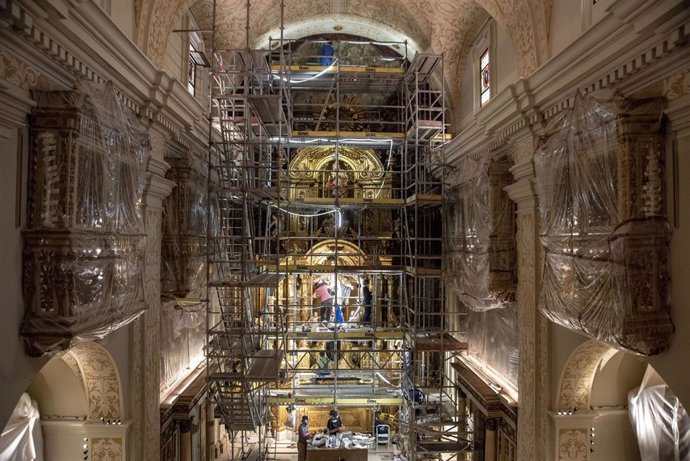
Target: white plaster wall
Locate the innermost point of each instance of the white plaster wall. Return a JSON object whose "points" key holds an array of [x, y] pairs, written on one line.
{"points": [[566, 24], [504, 61], [614, 438], [122, 14], [466, 106], [176, 54], [58, 391], [622, 373], [16, 368]]}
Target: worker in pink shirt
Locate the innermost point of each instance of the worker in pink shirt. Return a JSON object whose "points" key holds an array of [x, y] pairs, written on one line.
{"points": [[324, 293]]}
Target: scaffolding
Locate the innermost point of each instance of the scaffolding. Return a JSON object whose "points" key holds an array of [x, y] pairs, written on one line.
{"points": [[328, 166]]}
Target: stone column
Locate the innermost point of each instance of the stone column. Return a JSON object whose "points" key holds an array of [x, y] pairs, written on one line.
{"points": [[185, 441], [145, 331], [462, 418], [532, 326], [490, 440]]}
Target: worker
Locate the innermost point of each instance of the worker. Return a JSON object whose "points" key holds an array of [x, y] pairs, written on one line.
{"points": [[366, 300], [325, 295], [335, 427], [322, 361], [304, 437], [326, 54]]}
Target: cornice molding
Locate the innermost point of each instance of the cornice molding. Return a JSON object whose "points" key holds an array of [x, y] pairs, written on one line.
{"points": [[636, 44], [88, 45]]}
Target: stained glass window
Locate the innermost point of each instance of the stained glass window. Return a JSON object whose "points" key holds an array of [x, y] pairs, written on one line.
{"points": [[484, 78]]}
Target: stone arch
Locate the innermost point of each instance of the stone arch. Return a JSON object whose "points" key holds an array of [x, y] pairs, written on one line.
{"points": [[96, 370], [349, 254], [577, 378], [80, 394]]}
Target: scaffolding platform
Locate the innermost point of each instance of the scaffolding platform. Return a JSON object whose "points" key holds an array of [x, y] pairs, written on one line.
{"points": [[353, 334], [445, 447], [437, 342], [371, 401]]}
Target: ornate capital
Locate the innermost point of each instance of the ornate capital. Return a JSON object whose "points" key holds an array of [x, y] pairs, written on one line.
{"points": [[157, 187], [523, 191]]}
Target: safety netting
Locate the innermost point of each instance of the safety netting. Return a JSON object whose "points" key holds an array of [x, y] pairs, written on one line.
{"points": [[85, 239], [605, 239], [479, 262], [661, 424]]}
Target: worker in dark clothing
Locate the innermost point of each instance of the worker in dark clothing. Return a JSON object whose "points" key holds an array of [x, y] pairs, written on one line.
{"points": [[334, 426], [367, 298], [304, 436]]}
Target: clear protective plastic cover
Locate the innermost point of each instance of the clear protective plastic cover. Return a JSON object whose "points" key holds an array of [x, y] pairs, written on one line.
{"points": [[22, 437], [490, 310], [185, 221], [661, 424], [85, 239], [602, 226], [183, 336]]}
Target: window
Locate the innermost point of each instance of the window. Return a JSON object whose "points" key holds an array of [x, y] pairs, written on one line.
{"points": [[484, 78], [196, 58], [483, 59], [191, 74]]}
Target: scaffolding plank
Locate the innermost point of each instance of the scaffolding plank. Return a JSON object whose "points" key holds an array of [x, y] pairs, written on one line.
{"points": [[424, 198], [332, 69], [345, 202], [342, 401], [349, 134], [445, 447], [444, 342], [327, 269], [347, 334]]}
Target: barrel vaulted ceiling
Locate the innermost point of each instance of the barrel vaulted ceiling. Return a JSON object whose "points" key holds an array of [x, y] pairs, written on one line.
{"points": [[436, 26]]}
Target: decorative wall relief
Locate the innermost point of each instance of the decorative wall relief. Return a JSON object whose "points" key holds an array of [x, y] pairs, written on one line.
{"points": [[107, 449], [603, 229], [84, 242], [573, 445]]}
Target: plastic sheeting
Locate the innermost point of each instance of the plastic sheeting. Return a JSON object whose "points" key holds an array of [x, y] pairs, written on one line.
{"points": [[84, 245], [185, 222], [22, 439], [660, 421], [183, 336], [491, 314], [595, 197], [492, 338], [475, 219]]}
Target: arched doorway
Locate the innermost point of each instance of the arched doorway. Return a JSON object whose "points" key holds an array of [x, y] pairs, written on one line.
{"points": [[79, 396], [591, 419]]}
